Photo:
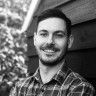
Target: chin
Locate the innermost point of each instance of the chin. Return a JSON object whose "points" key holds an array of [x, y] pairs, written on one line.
{"points": [[52, 62], [49, 63]]}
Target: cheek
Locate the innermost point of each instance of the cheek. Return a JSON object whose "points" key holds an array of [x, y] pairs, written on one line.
{"points": [[39, 41], [62, 44]]}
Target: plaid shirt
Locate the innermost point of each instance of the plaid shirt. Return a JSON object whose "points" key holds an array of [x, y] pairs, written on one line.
{"points": [[64, 83]]}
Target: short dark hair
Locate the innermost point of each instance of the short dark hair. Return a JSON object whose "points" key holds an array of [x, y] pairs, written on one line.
{"points": [[55, 13]]}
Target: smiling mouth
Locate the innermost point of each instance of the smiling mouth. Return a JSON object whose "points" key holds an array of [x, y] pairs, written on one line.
{"points": [[49, 51]]}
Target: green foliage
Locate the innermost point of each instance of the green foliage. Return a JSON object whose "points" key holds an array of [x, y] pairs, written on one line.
{"points": [[13, 49], [13, 44]]}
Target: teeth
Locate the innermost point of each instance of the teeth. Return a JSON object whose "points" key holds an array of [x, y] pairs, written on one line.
{"points": [[50, 51]]}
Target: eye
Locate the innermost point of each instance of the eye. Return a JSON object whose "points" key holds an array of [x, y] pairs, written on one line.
{"points": [[60, 35], [43, 34]]}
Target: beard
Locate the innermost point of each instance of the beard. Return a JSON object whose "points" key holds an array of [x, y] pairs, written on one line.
{"points": [[56, 61]]}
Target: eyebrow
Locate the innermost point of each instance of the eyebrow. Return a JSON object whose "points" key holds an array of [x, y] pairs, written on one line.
{"points": [[60, 31], [43, 30]]}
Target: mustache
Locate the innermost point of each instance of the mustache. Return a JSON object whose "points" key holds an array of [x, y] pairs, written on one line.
{"points": [[50, 47]]}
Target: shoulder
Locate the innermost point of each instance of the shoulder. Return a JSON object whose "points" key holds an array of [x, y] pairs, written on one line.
{"points": [[23, 82], [20, 86], [80, 86]]}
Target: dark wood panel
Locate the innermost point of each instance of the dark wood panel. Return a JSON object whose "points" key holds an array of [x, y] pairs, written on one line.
{"points": [[83, 62], [53, 3], [84, 35], [32, 64], [80, 10], [46, 4], [77, 10], [32, 27], [31, 49]]}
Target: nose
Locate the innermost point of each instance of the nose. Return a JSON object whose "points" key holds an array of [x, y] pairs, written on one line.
{"points": [[50, 40]]}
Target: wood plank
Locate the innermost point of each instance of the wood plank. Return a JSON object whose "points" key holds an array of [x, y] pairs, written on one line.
{"points": [[30, 49], [77, 10], [46, 4], [80, 10], [32, 27], [54, 3], [84, 35]]}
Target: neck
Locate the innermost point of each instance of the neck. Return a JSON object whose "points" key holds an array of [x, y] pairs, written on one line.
{"points": [[48, 72]]}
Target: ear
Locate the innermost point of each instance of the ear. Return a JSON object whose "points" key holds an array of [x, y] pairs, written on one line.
{"points": [[70, 41], [34, 38]]}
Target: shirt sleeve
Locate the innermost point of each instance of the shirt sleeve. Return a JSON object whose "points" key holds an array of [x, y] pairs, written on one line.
{"points": [[83, 89], [20, 87], [13, 91]]}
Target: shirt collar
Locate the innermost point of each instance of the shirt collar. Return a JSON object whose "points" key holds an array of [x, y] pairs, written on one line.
{"points": [[37, 75], [59, 76]]}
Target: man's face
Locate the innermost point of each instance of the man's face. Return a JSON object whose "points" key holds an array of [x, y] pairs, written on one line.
{"points": [[51, 41]]}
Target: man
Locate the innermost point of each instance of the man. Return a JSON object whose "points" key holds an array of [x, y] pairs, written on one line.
{"points": [[53, 78]]}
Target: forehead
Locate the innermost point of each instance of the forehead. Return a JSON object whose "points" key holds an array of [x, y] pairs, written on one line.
{"points": [[52, 24]]}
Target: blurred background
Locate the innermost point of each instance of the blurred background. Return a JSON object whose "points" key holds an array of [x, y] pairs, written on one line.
{"points": [[13, 44], [18, 57]]}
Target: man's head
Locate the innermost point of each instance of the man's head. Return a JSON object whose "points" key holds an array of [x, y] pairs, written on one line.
{"points": [[50, 13], [53, 37]]}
